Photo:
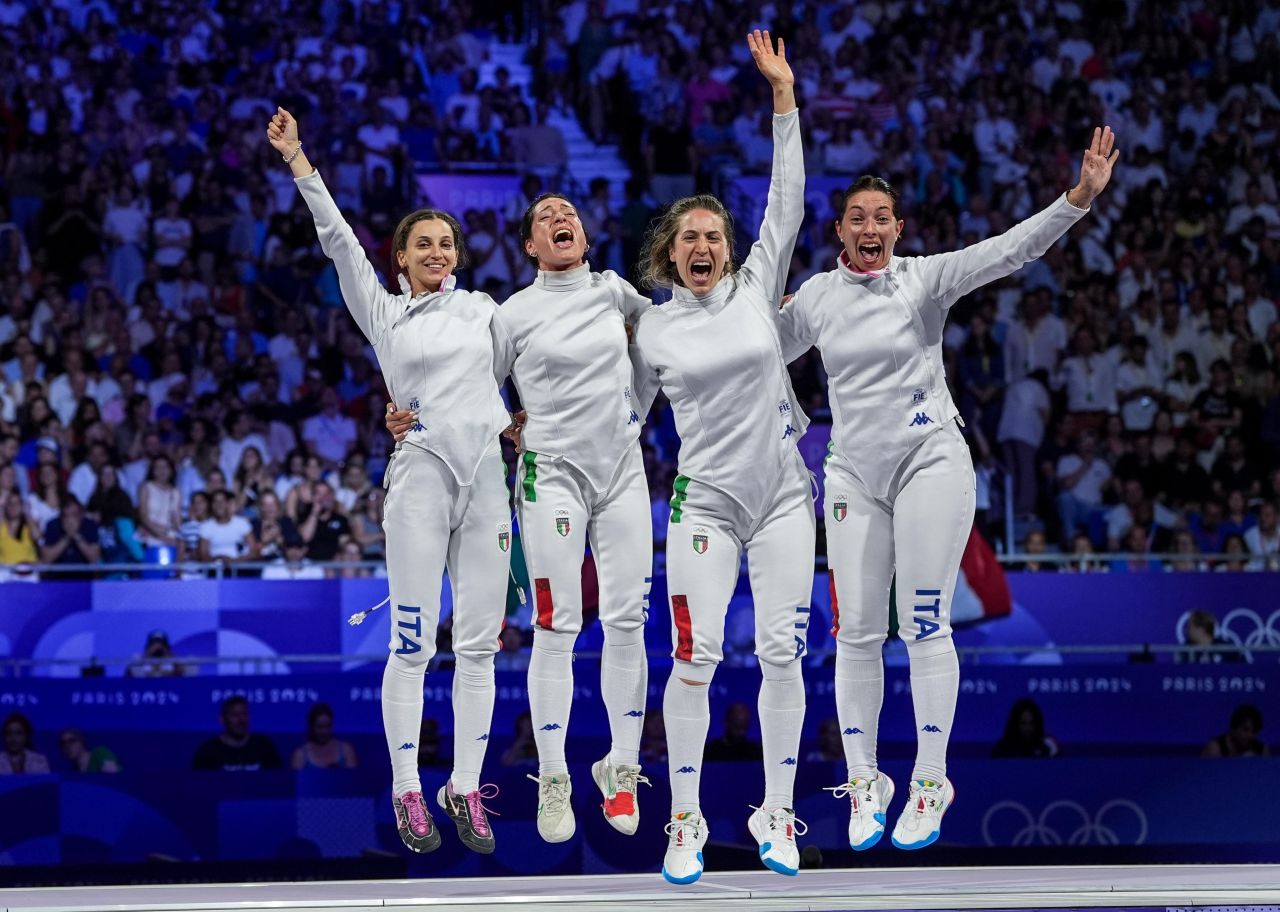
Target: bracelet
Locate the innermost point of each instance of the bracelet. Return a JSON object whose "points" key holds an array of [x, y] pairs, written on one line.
{"points": [[288, 159]]}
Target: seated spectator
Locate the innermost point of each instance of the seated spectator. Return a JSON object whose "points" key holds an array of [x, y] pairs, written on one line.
{"points": [[1241, 738], [117, 520], [189, 531], [272, 528], [329, 435], [734, 743], [1203, 644], [348, 560], [295, 564], [225, 536], [157, 660], [236, 748], [1082, 560], [1136, 507], [1035, 543], [71, 537], [1234, 547], [830, 748], [81, 759], [366, 525], [18, 534], [160, 506], [1185, 543], [1263, 540], [1024, 735], [523, 750], [321, 749], [1081, 477], [17, 756], [325, 526]]}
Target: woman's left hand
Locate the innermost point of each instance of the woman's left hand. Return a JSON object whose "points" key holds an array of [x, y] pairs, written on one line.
{"points": [[1095, 168], [771, 64]]}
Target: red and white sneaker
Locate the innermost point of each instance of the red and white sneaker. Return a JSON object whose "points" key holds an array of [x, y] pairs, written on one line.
{"points": [[921, 822], [618, 784], [413, 822], [868, 802]]}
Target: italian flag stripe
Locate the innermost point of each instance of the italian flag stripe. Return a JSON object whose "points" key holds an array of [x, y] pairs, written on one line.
{"points": [[677, 499], [530, 476]]}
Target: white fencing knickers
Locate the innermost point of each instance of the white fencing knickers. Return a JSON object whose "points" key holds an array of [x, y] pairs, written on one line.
{"points": [[706, 535], [919, 531], [559, 512], [433, 523]]}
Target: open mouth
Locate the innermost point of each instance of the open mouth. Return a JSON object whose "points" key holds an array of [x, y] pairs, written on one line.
{"points": [[562, 239], [869, 253], [700, 269]]}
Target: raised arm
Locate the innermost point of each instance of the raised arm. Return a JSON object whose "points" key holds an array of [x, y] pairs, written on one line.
{"points": [[371, 305], [950, 276], [770, 256]]}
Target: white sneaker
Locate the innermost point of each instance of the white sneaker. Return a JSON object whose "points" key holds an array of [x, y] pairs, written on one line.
{"points": [[687, 835], [775, 829], [868, 800], [619, 785], [921, 820], [555, 813]]}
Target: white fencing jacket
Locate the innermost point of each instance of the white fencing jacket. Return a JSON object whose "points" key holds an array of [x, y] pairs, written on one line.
{"points": [[563, 341], [436, 350], [880, 336], [718, 357]]}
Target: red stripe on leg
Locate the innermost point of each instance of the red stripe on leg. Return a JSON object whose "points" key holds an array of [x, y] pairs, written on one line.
{"points": [[542, 598], [835, 603], [684, 628]]}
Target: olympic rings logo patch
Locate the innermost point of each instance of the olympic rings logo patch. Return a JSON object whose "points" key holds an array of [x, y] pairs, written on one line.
{"points": [[1011, 823]]}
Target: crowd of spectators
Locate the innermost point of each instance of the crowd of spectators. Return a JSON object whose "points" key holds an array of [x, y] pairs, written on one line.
{"points": [[178, 375]]}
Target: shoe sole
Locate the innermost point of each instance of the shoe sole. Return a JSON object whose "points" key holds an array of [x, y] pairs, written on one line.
{"points": [[772, 864], [881, 818], [420, 844], [682, 881], [932, 837], [465, 833], [625, 826]]}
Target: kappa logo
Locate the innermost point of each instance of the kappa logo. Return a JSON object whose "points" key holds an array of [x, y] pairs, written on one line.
{"points": [[840, 509], [918, 396], [633, 418], [788, 431], [790, 761], [853, 731], [701, 539], [686, 769], [551, 726], [562, 522], [504, 536], [636, 714], [407, 746], [1118, 822], [932, 729], [484, 737], [921, 418]]}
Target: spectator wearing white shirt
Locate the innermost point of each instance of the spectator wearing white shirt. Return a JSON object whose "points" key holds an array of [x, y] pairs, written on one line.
{"points": [[1199, 115], [1021, 432], [1261, 309], [1089, 378], [1134, 505], [380, 139], [1263, 539], [1254, 206], [1138, 386], [1036, 340], [329, 435], [1174, 336], [84, 477], [1081, 477], [239, 437], [172, 234], [225, 536], [1215, 340]]}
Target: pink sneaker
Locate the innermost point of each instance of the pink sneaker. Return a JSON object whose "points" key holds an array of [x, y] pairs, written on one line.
{"points": [[413, 822], [470, 815]]}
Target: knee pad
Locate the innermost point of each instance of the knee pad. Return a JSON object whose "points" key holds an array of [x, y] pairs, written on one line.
{"points": [[553, 641], [618, 636]]}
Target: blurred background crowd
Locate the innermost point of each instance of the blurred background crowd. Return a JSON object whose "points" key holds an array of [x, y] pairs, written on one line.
{"points": [[178, 371]]}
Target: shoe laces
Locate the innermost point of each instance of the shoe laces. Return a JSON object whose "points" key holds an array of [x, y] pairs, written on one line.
{"points": [[925, 798], [678, 827], [416, 811], [553, 792], [476, 810], [627, 778], [856, 790], [784, 822]]}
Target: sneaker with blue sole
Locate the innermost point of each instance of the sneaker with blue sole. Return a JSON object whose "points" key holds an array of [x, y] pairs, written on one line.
{"points": [[686, 835], [868, 804], [921, 821], [775, 831]]}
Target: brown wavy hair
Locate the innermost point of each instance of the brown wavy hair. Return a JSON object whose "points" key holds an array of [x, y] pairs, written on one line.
{"points": [[401, 238], [657, 270]]}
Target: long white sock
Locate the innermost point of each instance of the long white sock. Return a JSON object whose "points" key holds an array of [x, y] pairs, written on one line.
{"points": [[473, 693], [935, 684], [781, 708], [402, 720], [624, 682], [859, 696], [551, 696], [686, 711]]}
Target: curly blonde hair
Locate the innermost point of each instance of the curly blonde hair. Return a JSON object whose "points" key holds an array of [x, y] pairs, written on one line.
{"points": [[657, 270]]}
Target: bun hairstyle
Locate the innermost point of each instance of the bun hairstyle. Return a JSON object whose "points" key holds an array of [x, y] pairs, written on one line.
{"points": [[657, 270]]}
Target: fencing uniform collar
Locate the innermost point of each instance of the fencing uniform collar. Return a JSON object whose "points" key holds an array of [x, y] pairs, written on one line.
{"points": [[683, 297], [849, 274], [565, 280]]}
